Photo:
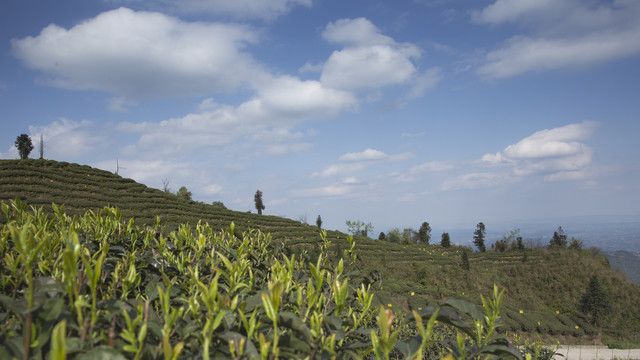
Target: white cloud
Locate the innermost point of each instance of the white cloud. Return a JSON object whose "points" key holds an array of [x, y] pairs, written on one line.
{"points": [[566, 175], [338, 169], [523, 54], [265, 120], [358, 161], [368, 154], [212, 189], [546, 151], [418, 172], [121, 104], [369, 59], [411, 135], [511, 10], [355, 32], [425, 82], [12, 153], [478, 181], [67, 139], [143, 54], [562, 34]]}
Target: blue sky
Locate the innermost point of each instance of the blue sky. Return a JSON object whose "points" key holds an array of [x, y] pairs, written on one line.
{"points": [[391, 112]]}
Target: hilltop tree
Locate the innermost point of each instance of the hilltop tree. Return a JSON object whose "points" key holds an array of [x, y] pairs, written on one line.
{"points": [[24, 145], [445, 241], [394, 235], [595, 301], [319, 222], [165, 185], [424, 233], [382, 236], [409, 235], [258, 200], [559, 238], [358, 227], [219, 204], [478, 237], [184, 193]]}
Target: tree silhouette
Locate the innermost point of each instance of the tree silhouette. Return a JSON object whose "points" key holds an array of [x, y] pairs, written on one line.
{"points": [[24, 145], [319, 222], [478, 237], [446, 240], [424, 233], [183, 192], [258, 200]]}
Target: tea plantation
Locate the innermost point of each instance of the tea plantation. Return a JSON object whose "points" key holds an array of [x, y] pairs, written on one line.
{"points": [[542, 287]]}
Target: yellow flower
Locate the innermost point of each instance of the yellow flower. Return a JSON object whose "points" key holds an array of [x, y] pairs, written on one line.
{"points": [[557, 311], [412, 293], [577, 327], [419, 308], [521, 312], [389, 305], [435, 322], [538, 323]]}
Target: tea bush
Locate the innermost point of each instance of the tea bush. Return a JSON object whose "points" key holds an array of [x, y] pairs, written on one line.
{"points": [[96, 286]]}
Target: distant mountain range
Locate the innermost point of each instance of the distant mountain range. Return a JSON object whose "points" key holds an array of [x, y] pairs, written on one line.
{"points": [[626, 261]]}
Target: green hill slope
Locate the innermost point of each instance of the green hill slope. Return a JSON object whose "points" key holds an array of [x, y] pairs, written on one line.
{"points": [[543, 288]]}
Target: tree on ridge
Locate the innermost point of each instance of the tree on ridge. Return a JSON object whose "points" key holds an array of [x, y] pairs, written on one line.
{"points": [[24, 145], [478, 237], [258, 200]]}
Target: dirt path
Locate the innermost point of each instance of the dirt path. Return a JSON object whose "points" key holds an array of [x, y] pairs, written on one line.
{"points": [[584, 352]]}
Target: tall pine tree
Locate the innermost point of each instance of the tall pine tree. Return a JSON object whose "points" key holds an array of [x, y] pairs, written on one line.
{"points": [[478, 237]]}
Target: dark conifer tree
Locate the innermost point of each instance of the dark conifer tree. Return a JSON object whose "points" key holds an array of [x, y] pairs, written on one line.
{"points": [[478, 237]]}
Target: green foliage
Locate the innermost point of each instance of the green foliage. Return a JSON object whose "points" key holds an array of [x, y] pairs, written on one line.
{"points": [[478, 237], [183, 192], [549, 280], [465, 261], [445, 241], [424, 233], [219, 204], [358, 228], [576, 244], [559, 239], [595, 301], [97, 286], [24, 145], [257, 198], [319, 222]]}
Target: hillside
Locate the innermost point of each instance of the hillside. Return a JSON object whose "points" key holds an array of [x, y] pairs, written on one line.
{"points": [[543, 287]]}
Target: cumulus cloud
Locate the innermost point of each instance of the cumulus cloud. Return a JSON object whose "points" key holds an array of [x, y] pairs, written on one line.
{"points": [[369, 59], [358, 161], [12, 153], [368, 154], [265, 121], [560, 34], [67, 139], [557, 150], [139, 55]]}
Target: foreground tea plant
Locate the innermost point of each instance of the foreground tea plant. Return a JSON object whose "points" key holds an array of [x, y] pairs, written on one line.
{"points": [[95, 286]]}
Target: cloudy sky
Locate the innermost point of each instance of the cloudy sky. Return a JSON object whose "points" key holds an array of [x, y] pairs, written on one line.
{"points": [[391, 112]]}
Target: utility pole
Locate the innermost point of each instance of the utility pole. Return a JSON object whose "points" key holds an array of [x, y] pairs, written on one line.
{"points": [[41, 146]]}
